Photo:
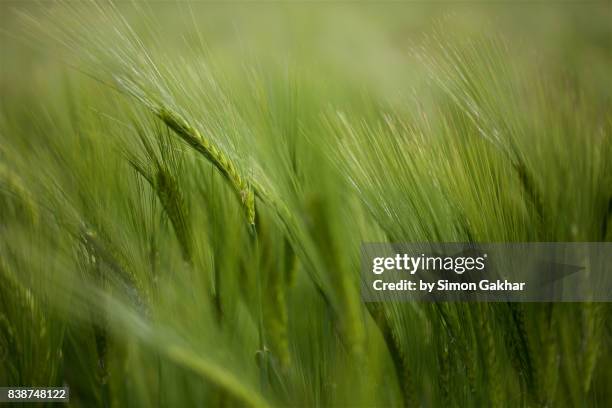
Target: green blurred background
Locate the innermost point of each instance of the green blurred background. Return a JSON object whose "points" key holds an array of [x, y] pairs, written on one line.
{"points": [[128, 272]]}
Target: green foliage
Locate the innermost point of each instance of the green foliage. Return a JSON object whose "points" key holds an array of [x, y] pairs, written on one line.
{"points": [[181, 215]]}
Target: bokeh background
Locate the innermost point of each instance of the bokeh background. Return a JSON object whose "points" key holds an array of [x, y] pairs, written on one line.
{"points": [[139, 139]]}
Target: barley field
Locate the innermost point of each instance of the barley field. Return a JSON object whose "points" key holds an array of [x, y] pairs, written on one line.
{"points": [[185, 187]]}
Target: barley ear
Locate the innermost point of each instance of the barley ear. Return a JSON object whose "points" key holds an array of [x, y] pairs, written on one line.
{"points": [[213, 154]]}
